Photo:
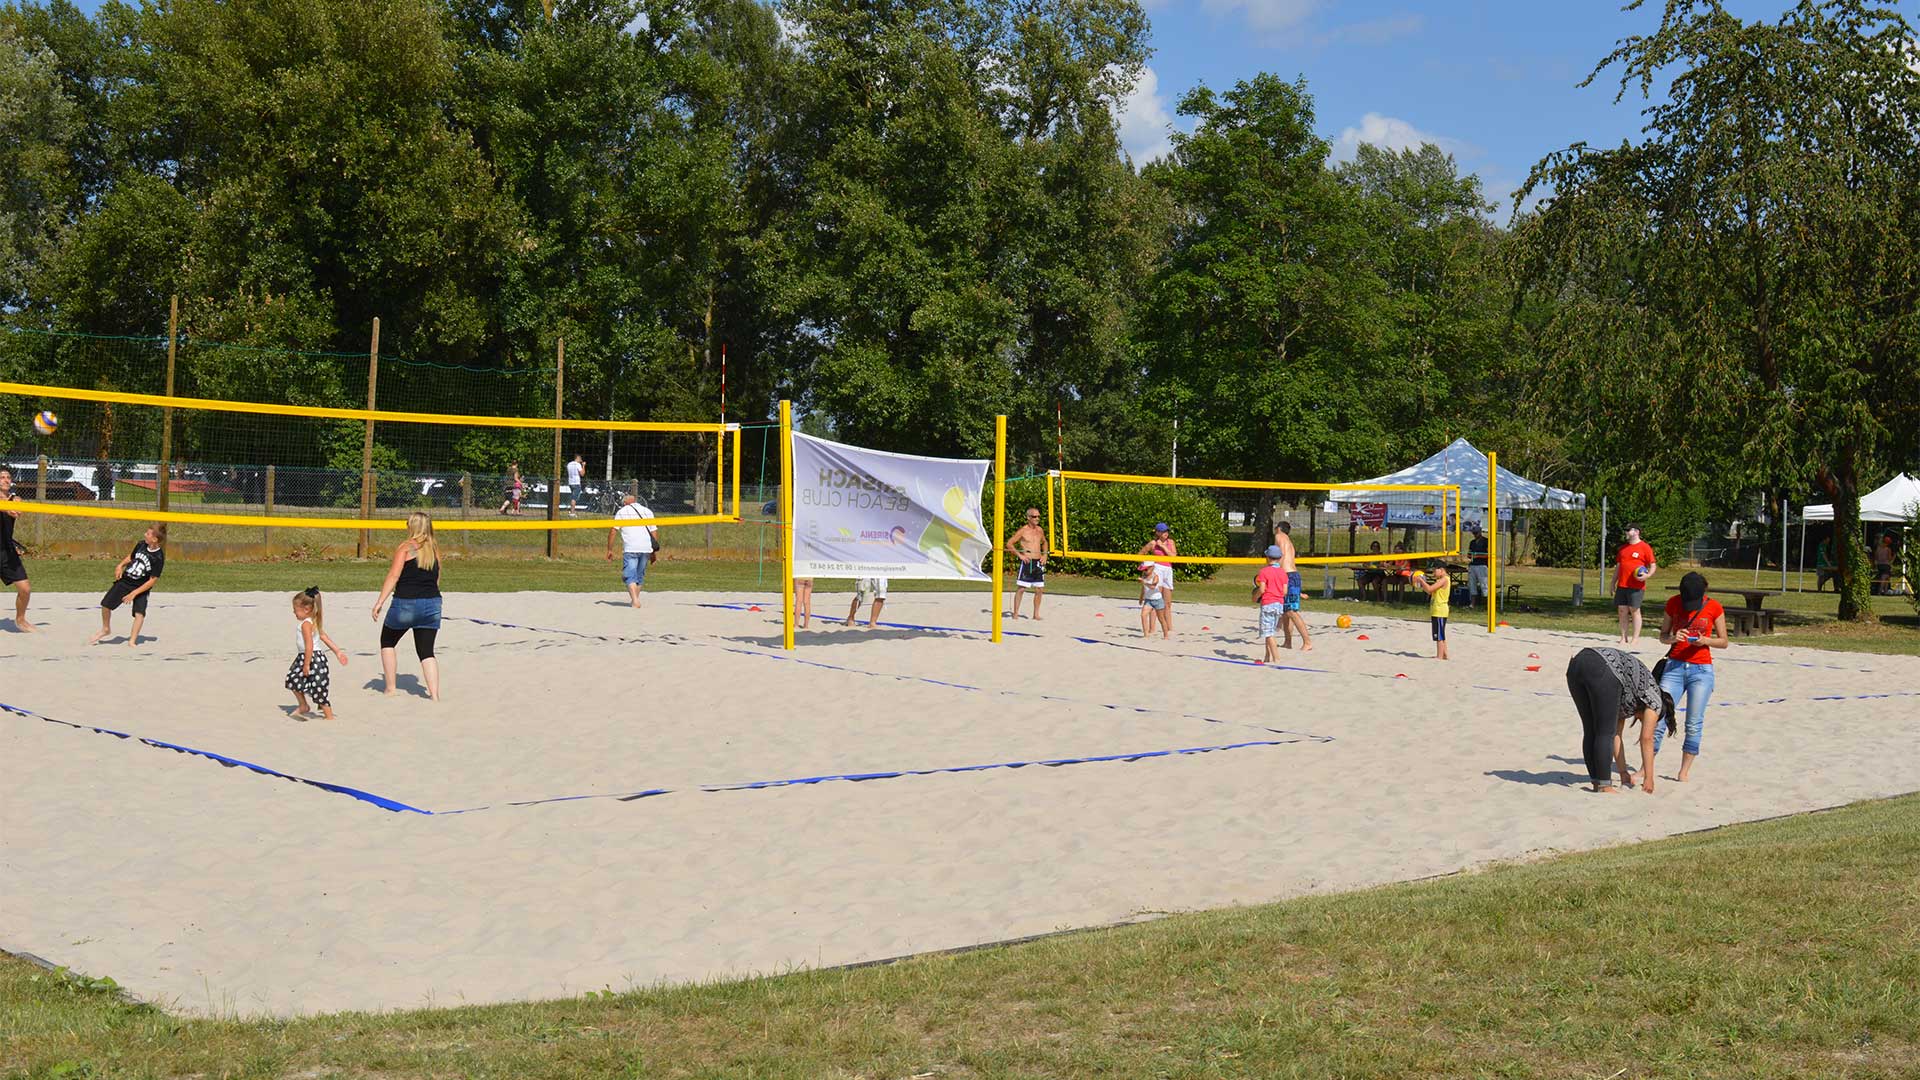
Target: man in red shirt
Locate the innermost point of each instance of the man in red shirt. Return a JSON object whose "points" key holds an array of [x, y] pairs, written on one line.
{"points": [[1635, 566]]}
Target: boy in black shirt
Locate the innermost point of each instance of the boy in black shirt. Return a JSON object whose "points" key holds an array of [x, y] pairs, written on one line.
{"points": [[132, 580]]}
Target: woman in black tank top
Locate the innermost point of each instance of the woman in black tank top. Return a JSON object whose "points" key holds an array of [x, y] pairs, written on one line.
{"points": [[413, 580]]}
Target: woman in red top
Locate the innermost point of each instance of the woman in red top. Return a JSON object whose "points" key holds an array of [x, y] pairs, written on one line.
{"points": [[1694, 627]]}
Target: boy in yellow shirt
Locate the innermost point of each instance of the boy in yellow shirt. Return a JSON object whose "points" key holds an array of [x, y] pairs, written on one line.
{"points": [[1438, 587]]}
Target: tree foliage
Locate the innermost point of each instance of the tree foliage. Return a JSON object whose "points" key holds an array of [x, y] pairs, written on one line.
{"points": [[1735, 299]]}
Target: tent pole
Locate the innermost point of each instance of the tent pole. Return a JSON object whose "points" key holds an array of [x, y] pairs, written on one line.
{"points": [[1803, 547], [1580, 590], [1786, 526], [1600, 567]]}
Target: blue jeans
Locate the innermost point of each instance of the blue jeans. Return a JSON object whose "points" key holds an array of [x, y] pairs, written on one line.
{"points": [[1695, 681]]}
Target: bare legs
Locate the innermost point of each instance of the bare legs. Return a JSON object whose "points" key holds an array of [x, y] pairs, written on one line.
{"points": [[1629, 625], [429, 671], [23, 589]]}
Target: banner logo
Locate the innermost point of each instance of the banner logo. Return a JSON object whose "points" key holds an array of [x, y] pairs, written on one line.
{"points": [[868, 513]]}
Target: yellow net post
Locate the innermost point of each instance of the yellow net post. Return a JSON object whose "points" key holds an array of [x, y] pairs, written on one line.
{"points": [[1052, 547], [1493, 541], [166, 414], [366, 446], [553, 480], [999, 513], [786, 524], [736, 471]]}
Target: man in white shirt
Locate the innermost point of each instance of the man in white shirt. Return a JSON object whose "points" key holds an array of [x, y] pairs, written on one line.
{"points": [[637, 542], [576, 478]]}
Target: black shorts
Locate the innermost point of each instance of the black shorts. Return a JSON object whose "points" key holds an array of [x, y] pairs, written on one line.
{"points": [[1628, 598], [1033, 574], [11, 569], [117, 595]]}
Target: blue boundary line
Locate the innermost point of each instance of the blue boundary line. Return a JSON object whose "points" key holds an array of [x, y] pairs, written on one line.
{"points": [[396, 806]]}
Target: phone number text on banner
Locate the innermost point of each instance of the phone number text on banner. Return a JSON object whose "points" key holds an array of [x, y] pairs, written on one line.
{"points": [[868, 513]]}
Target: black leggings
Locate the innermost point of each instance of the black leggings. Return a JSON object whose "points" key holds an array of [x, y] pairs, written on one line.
{"points": [[1596, 693], [422, 640]]}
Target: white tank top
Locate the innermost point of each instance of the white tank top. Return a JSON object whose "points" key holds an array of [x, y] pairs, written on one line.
{"points": [[300, 636]]}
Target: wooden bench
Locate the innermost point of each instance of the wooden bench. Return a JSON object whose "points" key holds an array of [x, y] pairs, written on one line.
{"points": [[1745, 622]]}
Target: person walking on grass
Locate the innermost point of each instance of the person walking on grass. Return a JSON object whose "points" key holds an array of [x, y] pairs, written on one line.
{"points": [[1609, 687], [308, 676], [413, 580], [12, 570], [1883, 566], [1029, 545], [638, 544], [515, 488], [1290, 617], [1159, 548], [133, 579], [576, 479], [1270, 590], [1634, 566], [1695, 625], [1439, 589]]}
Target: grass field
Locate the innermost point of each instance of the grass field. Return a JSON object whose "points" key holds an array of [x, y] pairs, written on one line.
{"points": [[1788, 948], [1545, 594]]}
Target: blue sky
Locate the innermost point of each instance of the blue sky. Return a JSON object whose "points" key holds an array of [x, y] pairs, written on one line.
{"points": [[1494, 82]]}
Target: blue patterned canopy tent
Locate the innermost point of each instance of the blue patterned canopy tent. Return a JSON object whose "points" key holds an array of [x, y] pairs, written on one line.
{"points": [[1462, 464]]}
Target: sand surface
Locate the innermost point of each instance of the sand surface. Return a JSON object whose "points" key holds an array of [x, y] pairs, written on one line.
{"points": [[216, 889]]}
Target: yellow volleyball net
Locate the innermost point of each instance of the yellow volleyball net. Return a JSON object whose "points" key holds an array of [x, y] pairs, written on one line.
{"points": [[309, 476], [1109, 517]]}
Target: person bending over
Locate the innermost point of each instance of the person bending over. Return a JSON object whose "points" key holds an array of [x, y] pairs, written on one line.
{"points": [[1610, 686]]}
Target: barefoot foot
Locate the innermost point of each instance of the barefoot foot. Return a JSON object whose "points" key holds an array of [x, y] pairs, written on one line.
{"points": [[97, 638]]}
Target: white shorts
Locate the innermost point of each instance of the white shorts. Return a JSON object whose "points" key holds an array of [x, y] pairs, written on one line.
{"points": [[874, 588], [1166, 575]]}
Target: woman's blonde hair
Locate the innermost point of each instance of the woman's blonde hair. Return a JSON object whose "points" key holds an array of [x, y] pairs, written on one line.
{"points": [[420, 534]]}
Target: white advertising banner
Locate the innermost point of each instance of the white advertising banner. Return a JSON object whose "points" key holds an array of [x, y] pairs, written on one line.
{"points": [[867, 513]]}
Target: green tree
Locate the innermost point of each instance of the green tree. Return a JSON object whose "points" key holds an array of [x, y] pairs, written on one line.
{"points": [[1267, 326], [38, 127], [1735, 298]]}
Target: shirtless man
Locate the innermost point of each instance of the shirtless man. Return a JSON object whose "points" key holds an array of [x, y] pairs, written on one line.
{"points": [[1029, 544], [1291, 620]]}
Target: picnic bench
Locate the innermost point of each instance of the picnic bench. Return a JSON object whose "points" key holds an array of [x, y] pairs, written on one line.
{"points": [[1751, 617]]}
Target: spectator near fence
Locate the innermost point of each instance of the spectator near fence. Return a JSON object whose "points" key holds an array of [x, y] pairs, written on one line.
{"points": [[1476, 565]]}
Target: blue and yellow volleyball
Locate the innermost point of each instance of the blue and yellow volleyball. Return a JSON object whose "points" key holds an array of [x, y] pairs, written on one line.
{"points": [[46, 423]]}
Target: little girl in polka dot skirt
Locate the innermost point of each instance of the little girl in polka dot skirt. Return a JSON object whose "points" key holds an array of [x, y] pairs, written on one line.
{"points": [[308, 675]]}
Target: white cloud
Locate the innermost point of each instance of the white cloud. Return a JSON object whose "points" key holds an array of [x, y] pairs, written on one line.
{"points": [[1144, 121], [1270, 18], [1393, 133], [1377, 31]]}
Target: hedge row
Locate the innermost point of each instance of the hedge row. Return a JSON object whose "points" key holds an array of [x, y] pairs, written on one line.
{"points": [[1121, 517]]}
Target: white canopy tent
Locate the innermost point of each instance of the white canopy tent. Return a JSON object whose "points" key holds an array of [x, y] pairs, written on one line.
{"points": [[1462, 464], [1889, 502]]}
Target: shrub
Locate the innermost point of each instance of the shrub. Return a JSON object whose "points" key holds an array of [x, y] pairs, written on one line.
{"points": [[1117, 517]]}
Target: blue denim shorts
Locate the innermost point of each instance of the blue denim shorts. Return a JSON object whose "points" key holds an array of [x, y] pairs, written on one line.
{"points": [[421, 614], [633, 566]]}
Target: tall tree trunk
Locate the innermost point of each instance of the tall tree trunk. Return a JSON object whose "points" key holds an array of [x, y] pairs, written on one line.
{"points": [[1855, 583]]}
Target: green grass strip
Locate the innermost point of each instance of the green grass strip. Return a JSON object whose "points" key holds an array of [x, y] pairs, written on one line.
{"points": [[1787, 948]]}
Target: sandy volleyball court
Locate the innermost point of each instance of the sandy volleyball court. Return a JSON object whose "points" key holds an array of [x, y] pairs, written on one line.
{"points": [[212, 888]]}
